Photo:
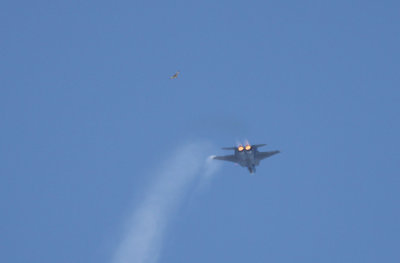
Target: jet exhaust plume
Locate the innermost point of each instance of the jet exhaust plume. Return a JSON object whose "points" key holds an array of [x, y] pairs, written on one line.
{"points": [[240, 143], [144, 230]]}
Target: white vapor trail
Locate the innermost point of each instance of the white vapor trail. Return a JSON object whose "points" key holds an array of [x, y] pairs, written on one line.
{"points": [[145, 228]]}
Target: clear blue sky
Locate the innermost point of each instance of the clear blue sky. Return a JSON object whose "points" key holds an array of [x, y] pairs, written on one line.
{"points": [[87, 110]]}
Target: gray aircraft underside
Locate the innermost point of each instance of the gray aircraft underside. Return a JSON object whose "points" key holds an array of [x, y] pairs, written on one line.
{"points": [[246, 156]]}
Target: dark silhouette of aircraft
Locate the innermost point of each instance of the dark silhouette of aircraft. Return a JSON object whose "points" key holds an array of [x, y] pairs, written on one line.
{"points": [[175, 75], [246, 156]]}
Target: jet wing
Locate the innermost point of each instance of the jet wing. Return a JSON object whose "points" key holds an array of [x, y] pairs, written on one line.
{"points": [[229, 158], [263, 155]]}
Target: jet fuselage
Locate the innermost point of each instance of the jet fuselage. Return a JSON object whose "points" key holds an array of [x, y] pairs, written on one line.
{"points": [[247, 158]]}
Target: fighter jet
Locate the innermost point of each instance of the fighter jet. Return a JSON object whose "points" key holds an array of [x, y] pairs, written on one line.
{"points": [[175, 75], [246, 156]]}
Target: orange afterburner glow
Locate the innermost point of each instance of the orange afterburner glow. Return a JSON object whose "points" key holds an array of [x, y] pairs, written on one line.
{"points": [[240, 148], [248, 147]]}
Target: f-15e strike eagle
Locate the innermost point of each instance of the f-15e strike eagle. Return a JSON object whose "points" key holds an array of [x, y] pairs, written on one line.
{"points": [[246, 156], [175, 75]]}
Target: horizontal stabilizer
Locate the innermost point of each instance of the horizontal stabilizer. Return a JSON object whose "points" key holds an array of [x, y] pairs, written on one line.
{"points": [[228, 148], [258, 145]]}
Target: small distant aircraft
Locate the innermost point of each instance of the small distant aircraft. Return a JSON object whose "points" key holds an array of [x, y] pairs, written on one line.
{"points": [[175, 75], [246, 156]]}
